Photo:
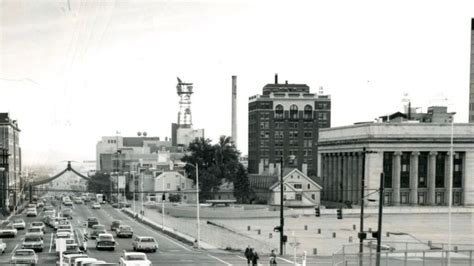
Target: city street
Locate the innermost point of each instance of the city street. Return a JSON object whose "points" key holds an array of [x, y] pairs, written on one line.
{"points": [[170, 251]]}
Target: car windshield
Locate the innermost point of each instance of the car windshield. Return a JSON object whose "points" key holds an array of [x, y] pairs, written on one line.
{"points": [[148, 240], [32, 238], [18, 221], [92, 219], [135, 257], [106, 238], [125, 228], [24, 253], [98, 227], [37, 224], [34, 230]]}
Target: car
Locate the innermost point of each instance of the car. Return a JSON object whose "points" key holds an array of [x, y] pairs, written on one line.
{"points": [[19, 224], [33, 241], [8, 231], [31, 206], [31, 213], [96, 230], [68, 203], [78, 201], [37, 224], [82, 261], [69, 259], [91, 221], [24, 256], [72, 248], [35, 230], [48, 208], [65, 235], [51, 221], [66, 213], [40, 204], [145, 243], [3, 246], [96, 206], [134, 259], [115, 224], [105, 241], [65, 227], [124, 231], [49, 213]]}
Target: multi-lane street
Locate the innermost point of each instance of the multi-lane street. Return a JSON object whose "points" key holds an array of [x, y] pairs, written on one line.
{"points": [[170, 251]]}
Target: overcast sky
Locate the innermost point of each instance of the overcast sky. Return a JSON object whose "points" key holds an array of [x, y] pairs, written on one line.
{"points": [[73, 72]]}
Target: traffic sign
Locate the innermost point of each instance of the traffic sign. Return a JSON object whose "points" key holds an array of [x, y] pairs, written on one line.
{"points": [[60, 245]]}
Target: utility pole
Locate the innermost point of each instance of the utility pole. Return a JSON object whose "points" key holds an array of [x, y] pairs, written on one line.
{"points": [[362, 203], [379, 230], [282, 219]]}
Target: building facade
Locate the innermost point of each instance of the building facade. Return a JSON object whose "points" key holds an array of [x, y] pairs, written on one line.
{"points": [[11, 183], [414, 158], [284, 121]]}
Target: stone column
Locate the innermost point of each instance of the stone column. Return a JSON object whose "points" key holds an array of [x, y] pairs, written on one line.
{"points": [[396, 177], [330, 190], [448, 178], [345, 178], [414, 177], [359, 175], [355, 178], [432, 178], [319, 164], [339, 177], [467, 180]]}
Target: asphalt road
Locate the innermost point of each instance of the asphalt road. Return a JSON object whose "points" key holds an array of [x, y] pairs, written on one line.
{"points": [[170, 251]]}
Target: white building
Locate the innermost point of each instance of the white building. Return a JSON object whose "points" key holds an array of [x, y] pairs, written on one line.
{"points": [[298, 190], [174, 183]]}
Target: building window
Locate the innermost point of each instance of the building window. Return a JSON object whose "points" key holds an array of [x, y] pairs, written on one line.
{"points": [[279, 112], [313, 197], [308, 134], [293, 112], [440, 168], [183, 185], [422, 169], [387, 168], [297, 186], [298, 197], [308, 112], [323, 116], [309, 186], [168, 185]]}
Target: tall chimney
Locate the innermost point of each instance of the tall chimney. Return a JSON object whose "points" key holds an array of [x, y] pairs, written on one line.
{"points": [[234, 109], [276, 78]]}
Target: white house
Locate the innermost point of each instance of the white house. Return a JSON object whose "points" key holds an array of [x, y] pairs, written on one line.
{"points": [[174, 183], [298, 190]]}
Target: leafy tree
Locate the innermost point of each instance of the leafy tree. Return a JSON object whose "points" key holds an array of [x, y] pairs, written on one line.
{"points": [[174, 198], [217, 164], [99, 188]]}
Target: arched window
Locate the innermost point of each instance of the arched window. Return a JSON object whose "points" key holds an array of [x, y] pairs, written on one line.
{"points": [[308, 112], [293, 112], [279, 112]]}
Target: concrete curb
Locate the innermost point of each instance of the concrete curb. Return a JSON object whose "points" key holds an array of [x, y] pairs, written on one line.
{"points": [[186, 239]]}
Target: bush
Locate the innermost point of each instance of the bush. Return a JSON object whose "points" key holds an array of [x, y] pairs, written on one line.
{"points": [[174, 198]]}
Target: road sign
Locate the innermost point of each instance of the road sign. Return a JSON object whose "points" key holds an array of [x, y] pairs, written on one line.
{"points": [[60, 245]]}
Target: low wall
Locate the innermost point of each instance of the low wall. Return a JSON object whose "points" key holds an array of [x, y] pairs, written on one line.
{"points": [[388, 210], [231, 212]]}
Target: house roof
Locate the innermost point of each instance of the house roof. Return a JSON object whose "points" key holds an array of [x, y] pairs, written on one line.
{"points": [[295, 170]]}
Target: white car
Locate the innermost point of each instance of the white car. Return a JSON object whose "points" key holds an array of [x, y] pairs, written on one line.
{"points": [[19, 224], [24, 256], [35, 230], [31, 213], [3, 246], [134, 259], [96, 206], [8, 230], [37, 224]]}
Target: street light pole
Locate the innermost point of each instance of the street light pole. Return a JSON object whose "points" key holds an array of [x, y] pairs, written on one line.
{"points": [[163, 203], [196, 166], [282, 219], [379, 230], [362, 203]]}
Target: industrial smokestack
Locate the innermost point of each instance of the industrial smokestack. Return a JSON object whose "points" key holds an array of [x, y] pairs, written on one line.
{"points": [[276, 78], [234, 109]]}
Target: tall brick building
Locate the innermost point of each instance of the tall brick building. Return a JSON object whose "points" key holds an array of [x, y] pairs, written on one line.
{"points": [[284, 121]]}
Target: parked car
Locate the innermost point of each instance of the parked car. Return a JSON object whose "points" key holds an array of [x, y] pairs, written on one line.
{"points": [[24, 256], [115, 224], [19, 224], [3, 246], [91, 221], [124, 231], [96, 230], [8, 231], [145, 243], [33, 241], [134, 259], [105, 241]]}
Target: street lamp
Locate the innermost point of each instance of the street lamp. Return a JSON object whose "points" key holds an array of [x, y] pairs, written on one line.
{"points": [[196, 166], [282, 219]]}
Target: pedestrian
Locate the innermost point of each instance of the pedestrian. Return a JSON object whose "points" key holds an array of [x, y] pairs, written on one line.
{"points": [[255, 258], [273, 256], [195, 244], [248, 253]]}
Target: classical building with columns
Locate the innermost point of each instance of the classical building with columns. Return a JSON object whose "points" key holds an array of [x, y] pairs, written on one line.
{"points": [[414, 158]]}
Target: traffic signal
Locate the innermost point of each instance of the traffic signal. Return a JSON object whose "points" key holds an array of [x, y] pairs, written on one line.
{"points": [[284, 238], [362, 235], [375, 234], [339, 213], [317, 211], [277, 229]]}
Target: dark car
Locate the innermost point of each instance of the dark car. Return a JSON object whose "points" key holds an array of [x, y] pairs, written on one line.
{"points": [[105, 241], [115, 224], [91, 221]]}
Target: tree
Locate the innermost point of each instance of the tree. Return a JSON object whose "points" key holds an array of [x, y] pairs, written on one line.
{"points": [[242, 191], [217, 164], [98, 188]]}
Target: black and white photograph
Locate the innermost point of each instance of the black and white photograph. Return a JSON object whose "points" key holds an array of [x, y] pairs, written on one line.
{"points": [[237, 132]]}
